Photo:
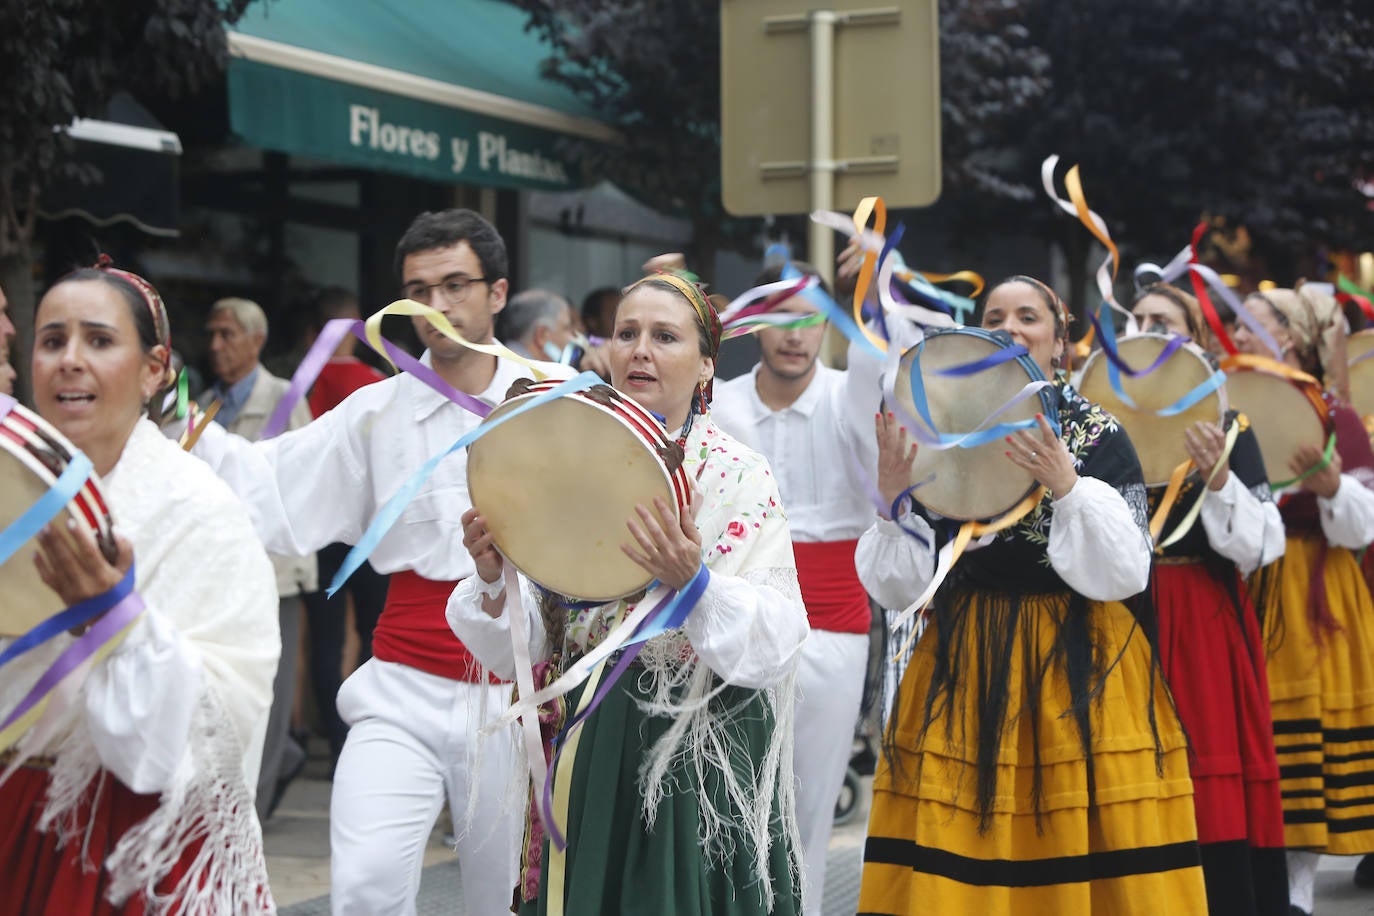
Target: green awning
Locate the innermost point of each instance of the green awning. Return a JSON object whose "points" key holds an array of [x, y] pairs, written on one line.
{"points": [[447, 90]]}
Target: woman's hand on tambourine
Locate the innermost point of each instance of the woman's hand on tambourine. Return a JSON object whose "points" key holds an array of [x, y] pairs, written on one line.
{"points": [[478, 540], [669, 549], [1325, 482], [896, 457], [1045, 456], [70, 563], [1205, 443]]}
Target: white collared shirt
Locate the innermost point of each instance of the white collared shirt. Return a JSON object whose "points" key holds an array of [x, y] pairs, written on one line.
{"points": [[812, 447], [325, 482]]}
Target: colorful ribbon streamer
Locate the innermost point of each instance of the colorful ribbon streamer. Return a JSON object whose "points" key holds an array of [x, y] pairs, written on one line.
{"points": [[1166, 503], [73, 617], [317, 357], [1202, 278], [389, 513], [93, 646]]}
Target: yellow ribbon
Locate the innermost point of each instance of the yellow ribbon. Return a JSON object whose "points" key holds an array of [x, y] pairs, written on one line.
{"points": [[973, 279], [436, 319], [1074, 186], [967, 532], [191, 436], [562, 783], [1176, 483], [875, 208]]}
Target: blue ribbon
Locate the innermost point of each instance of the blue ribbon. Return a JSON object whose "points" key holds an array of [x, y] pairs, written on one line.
{"points": [[841, 319], [74, 616], [980, 437], [73, 478], [895, 513], [675, 613], [384, 519], [1106, 333]]}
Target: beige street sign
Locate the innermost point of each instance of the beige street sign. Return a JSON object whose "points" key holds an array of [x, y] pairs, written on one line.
{"points": [[844, 98]]}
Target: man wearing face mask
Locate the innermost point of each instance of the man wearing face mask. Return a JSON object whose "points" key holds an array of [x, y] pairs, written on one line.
{"points": [[796, 412], [537, 324]]}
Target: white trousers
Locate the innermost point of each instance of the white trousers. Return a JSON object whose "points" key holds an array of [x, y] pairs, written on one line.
{"points": [[830, 685], [412, 739], [1302, 878]]}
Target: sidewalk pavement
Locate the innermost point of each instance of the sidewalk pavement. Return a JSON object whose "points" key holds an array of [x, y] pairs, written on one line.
{"points": [[297, 842]]}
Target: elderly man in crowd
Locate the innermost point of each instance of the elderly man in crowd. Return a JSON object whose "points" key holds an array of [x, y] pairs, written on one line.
{"points": [[537, 324], [248, 394]]}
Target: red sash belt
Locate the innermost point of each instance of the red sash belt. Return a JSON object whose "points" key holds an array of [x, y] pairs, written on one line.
{"points": [[835, 600], [414, 631]]}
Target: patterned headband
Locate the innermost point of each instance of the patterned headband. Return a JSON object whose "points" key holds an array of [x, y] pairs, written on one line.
{"points": [[1061, 311], [696, 297], [162, 326]]}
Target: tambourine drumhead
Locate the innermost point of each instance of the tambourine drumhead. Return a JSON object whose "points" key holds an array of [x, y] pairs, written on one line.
{"points": [[1283, 417], [1158, 440], [24, 479], [1361, 372], [557, 484], [978, 482]]}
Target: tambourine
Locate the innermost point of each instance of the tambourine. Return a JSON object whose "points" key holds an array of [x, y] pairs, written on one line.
{"points": [[977, 482], [1285, 413], [557, 484], [1359, 352], [33, 455], [1158, 440]]}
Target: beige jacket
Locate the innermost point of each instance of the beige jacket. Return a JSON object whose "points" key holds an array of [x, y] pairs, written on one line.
{"points": [[295, 575]]}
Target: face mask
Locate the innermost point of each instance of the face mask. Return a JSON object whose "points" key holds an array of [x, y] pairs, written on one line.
{"points": [[1157, 327], [552, 352]]}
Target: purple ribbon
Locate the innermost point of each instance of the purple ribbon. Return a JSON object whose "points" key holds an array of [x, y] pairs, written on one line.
{"points": [[670, 612], [101, 632], [319, 354], [6, 405], [74, 616]]}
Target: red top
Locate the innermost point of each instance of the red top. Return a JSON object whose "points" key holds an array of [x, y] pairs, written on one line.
{"points": [[834, 598], [414, 631], [339, 378]]}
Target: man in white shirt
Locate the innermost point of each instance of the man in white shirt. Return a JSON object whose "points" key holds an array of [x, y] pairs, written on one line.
{"points": [[414, 710], [796, 412]]}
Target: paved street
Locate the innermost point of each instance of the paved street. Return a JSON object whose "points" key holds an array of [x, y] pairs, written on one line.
{"points": [[297, 841]]}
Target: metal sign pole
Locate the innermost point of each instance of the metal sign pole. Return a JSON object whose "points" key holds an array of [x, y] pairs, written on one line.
{"points": [[821, 239]]}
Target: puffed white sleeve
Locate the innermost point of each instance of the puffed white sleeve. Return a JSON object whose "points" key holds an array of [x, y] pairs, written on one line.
{"points": [[1095, 543], [281, 480], [488, 638], [893, 566], [749, 624], [1241, 527], [208, 634], [1347, 518], [749, 629]]}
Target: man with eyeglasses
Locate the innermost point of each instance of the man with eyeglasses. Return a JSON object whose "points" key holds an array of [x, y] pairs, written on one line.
{"points": [[415, 709]]}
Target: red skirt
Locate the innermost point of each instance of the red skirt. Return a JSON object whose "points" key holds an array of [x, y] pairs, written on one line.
{"points": [[1213, 659], [39, 878]]}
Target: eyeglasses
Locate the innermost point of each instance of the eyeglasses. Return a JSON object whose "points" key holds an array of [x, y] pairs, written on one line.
{"points": [[454, 289]]}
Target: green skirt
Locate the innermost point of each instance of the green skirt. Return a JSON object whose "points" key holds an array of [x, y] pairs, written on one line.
{"points": [[617, 864]]}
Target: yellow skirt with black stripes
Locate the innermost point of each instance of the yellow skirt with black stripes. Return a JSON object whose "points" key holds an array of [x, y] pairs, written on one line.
{"points": [[1134, 851], [1322, 693]]}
